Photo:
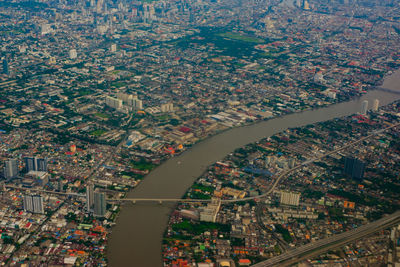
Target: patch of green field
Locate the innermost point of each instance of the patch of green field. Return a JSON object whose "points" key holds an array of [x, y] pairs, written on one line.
{"points": [[240, 37], [142, 165], [102, 115], [199, 228], [162, 117], [268, 55], [118, 84], [98, 132], [239, 65], [83, 92], [199, 195]]}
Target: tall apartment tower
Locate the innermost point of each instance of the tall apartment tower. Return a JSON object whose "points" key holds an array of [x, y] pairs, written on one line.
{"points": [[99, 204], [33, 203], [36, 164], [375, 105], [6, 70], [89, 197], [99, 6], [114, 102], [354, 168], [364, 107], [41, 164], [72, 54], [11, 169], [113, 48], [167, 107]]}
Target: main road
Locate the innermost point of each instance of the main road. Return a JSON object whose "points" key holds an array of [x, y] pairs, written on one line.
{"points": [[323, 245]]}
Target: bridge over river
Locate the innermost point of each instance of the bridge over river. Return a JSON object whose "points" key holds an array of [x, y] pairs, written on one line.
{"points": [[278, 178], [139, 229]]}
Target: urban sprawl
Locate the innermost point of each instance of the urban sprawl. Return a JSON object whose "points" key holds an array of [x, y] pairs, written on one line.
{"points": [[95, 94]]}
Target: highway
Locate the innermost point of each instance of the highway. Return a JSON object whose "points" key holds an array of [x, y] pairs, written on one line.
{"points": [[44, 191], [316, 248]]}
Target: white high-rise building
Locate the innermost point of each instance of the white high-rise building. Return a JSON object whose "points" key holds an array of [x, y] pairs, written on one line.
{"points": [[289, 198], [99, 204], [375, 105], [33, 203], [168, 107], [99, 6], [113, 48], [11, 169], [36, 164], [89, 197], [126, 98], [364, 107], [135, 103], [38, 204], [149, 12], [102, 29], [134, 12], [73, 54], [291, 163], [22, 48], [45, 29], [28, 203], [306, 5], [138, 104], [209, 213], [113, 102], [126, 101]]}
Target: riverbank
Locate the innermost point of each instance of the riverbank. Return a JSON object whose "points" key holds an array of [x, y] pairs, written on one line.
{"points": [[139, 229], [246, 173]]}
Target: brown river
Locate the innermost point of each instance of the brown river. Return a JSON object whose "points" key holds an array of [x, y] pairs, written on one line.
{"points": [[136, 238]]}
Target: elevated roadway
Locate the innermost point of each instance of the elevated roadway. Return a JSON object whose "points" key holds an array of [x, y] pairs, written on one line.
{"points": [[316, 248], [44, 191]]}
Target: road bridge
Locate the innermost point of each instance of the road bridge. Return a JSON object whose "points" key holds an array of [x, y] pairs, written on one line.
{"points": [[388, 90], [274, 185], [160, 200]]}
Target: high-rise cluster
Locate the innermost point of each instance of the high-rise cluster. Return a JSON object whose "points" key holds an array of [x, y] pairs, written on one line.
{"points": [[124, 102], [33, 203], [95, 202]]}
